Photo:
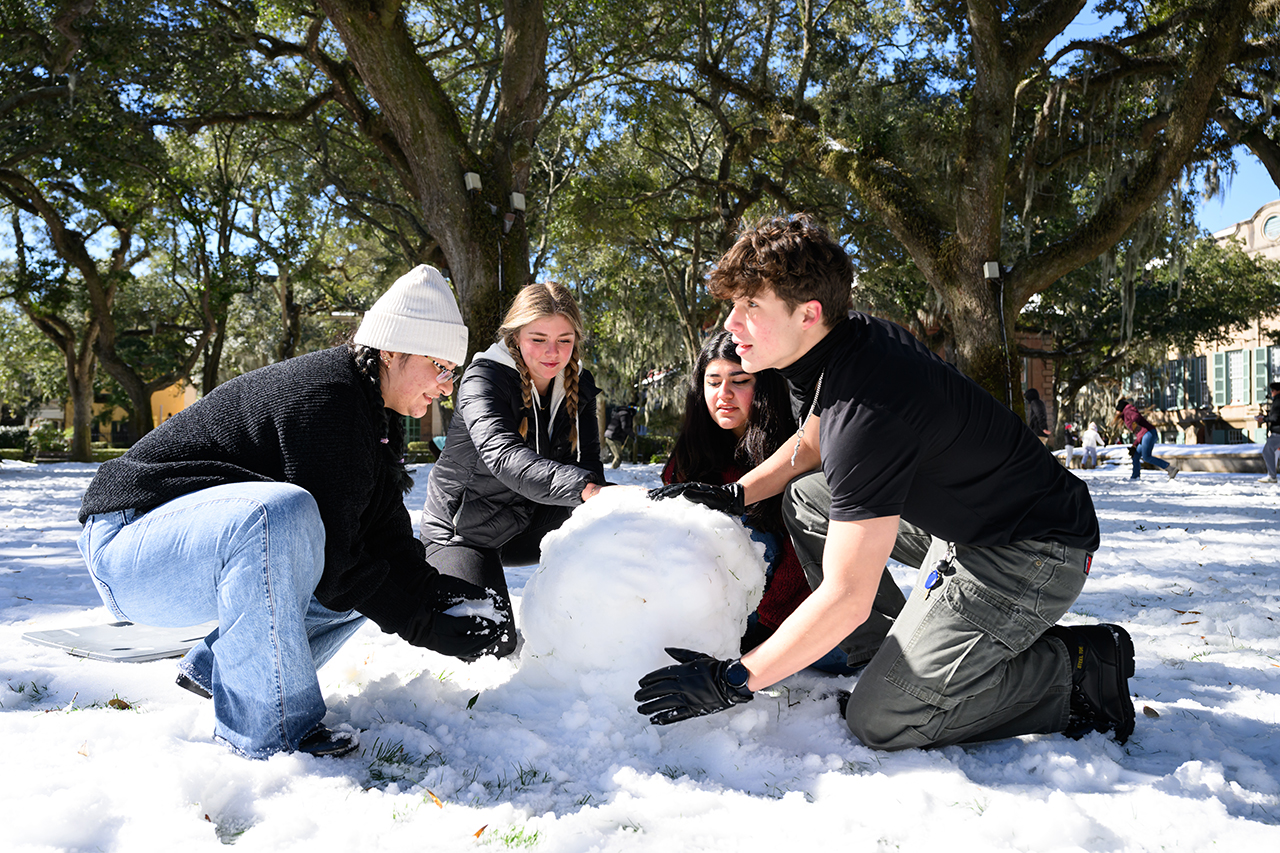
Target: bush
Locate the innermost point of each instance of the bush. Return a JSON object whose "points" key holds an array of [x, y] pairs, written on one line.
{"points": [[420, 451], [46, 436], [655, 448], [13, 437], [102, 454], [14, 453]]}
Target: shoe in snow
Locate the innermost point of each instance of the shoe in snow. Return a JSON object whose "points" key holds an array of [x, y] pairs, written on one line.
{"points": [[1101, 659], [322, 741], [186, 682]]}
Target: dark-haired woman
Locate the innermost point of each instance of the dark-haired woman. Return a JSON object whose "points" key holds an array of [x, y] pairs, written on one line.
{"points": [[733, 421], [523, 449], [275, 505]]}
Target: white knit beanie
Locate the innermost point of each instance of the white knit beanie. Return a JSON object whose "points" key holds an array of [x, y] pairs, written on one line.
{"points": [[418, 315]]}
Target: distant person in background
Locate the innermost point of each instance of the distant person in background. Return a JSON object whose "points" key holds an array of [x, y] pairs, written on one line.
{"points": [[1089, 441], [1144, 439], [1070, 438], [620, 430], [1272, 419], [1037, 416]]}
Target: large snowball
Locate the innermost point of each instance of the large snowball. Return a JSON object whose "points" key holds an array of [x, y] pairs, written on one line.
{"points": [[625, 577]]}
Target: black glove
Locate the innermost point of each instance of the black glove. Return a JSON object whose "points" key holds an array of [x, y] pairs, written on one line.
{"points": [[727, 498], [698, 685], [465, 637], [1133, 452]]}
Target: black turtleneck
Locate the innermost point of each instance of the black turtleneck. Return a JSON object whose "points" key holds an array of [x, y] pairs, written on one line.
{"points": [[904, 433], [803, 373]]}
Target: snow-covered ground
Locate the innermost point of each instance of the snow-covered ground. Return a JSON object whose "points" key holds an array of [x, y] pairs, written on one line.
{"points": [[463, 757]]}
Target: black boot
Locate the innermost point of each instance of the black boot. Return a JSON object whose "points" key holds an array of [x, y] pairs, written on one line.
{"points": [[1101, 666], [322, 741], [186, 682]]}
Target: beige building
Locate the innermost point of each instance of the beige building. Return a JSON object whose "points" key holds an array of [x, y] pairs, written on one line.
{"points": [[1212, 396]]}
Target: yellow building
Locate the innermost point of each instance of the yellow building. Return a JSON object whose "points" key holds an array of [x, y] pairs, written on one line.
{"points": [[165, 403]]}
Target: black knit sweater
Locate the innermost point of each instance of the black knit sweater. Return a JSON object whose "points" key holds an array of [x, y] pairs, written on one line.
{"points": [[309, 421]]}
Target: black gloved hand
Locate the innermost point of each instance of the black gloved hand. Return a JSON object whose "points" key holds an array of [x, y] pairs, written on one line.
{"points": [[465, 637], [698, 685], [728, 498], [1133, 452]]}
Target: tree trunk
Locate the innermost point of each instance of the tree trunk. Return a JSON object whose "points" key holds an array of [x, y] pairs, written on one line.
{"points": [[81, 365], [419, 130], [140, 420], [80, 372], [290, 319], [985, 349], [213, 358], [950, 253], [77, 353]]}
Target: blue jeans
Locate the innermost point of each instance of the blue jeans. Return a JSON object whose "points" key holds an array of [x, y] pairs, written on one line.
{"points": [[1145, 444], [249, 555]]}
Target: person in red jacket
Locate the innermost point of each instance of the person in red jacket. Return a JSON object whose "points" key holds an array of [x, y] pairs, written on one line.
{"points": [[1144, 439], [733, 421]]}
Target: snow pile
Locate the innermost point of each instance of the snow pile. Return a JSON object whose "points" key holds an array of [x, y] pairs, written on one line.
{"points": [[468, 758], [626, 577]]}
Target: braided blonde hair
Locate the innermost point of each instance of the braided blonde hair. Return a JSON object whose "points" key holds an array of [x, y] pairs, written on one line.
{"points": [[532, 303]]}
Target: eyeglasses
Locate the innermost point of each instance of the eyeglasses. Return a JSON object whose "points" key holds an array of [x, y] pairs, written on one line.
{"points": [[446, 373]]}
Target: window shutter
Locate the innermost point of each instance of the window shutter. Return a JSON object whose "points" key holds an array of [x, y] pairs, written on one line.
{"points": [[1260, 378], [1219, 378]]}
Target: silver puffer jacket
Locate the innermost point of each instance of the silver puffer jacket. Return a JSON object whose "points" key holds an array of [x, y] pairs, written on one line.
{"points": [[483, 489]]}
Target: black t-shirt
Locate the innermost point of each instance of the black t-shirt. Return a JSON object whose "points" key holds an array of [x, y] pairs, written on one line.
{"points": [[904, 433]]}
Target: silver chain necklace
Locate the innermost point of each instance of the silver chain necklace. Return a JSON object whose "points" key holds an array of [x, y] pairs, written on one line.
{"points": [[812, 403]]}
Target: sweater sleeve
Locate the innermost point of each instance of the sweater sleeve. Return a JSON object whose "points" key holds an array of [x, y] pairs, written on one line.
{"points": [[402, 593]]}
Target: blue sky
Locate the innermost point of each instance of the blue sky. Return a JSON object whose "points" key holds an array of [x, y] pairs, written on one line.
{"points": [[1250, 188]]}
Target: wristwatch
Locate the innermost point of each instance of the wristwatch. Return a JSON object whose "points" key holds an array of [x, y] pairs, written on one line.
{"points": [[736, 675]]}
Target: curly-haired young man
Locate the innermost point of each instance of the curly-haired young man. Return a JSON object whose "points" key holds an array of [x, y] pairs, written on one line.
{"points": [[900, 454]]}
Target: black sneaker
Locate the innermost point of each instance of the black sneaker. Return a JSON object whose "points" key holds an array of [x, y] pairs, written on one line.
{"points": [[842, 701], [186, 682], [1101, 666], [322, 742]]}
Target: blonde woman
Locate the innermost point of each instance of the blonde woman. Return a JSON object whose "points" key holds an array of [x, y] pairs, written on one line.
{"points": [[523, 448]]}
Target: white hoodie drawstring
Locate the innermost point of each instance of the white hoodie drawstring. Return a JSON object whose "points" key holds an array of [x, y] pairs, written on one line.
{"points": [[537, 430]]}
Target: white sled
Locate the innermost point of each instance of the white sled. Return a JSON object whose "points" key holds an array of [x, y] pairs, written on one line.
{"points": [[122, 642]]}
